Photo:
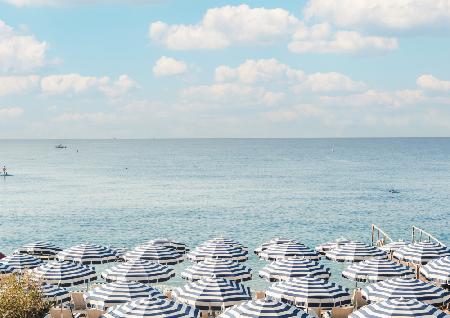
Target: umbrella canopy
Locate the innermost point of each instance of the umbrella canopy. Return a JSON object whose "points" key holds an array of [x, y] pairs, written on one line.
{"points": [[421, 252], [331, 245], [212, 293], [310, 292], [140, 271], [290, 268], [88, 254], [155, 253], [263, 309], [40, 249], [20, 262], [400, 308], [438, 271], [5, 268], [375, 270], [393, 246], [354, 252], [55, 293], [217, 250], [406, 288], [217, 267], [287, 250], [179, 247], [152, 307], [226, 241], [116, 293], [274, 241], [64, 273]]}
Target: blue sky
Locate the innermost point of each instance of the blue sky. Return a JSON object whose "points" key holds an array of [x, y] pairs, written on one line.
{"points": [[157, 69]]}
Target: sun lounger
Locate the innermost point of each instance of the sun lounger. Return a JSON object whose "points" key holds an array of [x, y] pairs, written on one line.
{"points": [[62, 313], [260, 294], [357, 299], [78, 302], [94, 313], [341, 312]]}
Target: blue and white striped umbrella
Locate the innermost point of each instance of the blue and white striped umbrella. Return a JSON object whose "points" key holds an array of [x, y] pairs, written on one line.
{"points": [[354, 252], [331, 245], [40, 249], [117, 293], [21, 262], [376, 269], [5, 268], [274, 241], [393, 246], [226, 241], [407, 288], [291, 268], [264, 309], [212, 293], [179, 247], [421, 252], [310, 292], [155, 253], [438, 271], [399, 308], [288, 250], [217, 250], [88, 254], [154, 308], [140, 271], [217, 267], [55, 294], [64, 273]]}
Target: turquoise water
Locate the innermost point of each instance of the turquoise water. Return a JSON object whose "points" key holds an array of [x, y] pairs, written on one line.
{"points": [[126, 192]]}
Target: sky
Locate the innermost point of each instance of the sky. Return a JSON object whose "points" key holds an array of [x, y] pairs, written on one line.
{"points": [[194, 69]]}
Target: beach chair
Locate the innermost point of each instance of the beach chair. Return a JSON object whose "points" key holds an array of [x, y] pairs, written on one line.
{"points": [[341, 312], [94, 313], [168, 294], [78, 302], [357, 299], [260, 294], [56, 312], [204, 314]]}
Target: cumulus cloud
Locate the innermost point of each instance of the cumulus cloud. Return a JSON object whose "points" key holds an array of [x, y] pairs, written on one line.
{"points": [[11, 112], [17, 84], [320, 38], [294, 113], [18, 52], [395, 15], [432, 83], [329, 82], [167, 66], [224, 26]]}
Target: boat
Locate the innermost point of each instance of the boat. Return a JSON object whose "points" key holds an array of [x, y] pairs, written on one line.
{"points": [[60, 146]]}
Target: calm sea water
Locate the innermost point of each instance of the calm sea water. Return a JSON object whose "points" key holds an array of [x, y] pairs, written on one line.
{"points": [[126, 192]]}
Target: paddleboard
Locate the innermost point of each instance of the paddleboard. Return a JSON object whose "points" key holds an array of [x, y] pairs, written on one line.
{"points": [[6, 175]]}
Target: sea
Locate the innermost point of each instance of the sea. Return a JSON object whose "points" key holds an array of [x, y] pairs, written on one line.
{"points": [[126, 192]]}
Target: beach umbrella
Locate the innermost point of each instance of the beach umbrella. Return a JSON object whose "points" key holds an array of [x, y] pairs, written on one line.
{"points": [[286, 269], [331, 245], [152, 307], [212, 293], [21, 262], [421, 252], [226, 241], [217, 267], [310, 292], [5, 269], [399, 308], [140, 271], [263, 308], [438, 271], [55, 294], [119, 252], [64, 273], [393, 246], [217, 250], [273, 241], [407, 288], [116, 293], [88, 254], [40, 249], [179, 247], [155, 253], [354, 252], [376, 269], [287, 250]]}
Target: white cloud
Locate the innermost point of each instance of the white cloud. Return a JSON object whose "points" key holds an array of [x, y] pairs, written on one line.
{"points": [[429, 82], [329, 82], [390, 14], [320, 38], [263, 70], [17, 84], [72, 84], [294, 113], [224, 26], [20, 53], [11, 112], [167, 66]]}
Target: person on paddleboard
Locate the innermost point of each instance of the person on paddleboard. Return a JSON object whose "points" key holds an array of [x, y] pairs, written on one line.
{"points": [[4, 171]]}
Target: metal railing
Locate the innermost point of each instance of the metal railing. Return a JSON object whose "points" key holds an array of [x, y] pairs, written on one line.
{"points": [[420, 235], [380, 235]]}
